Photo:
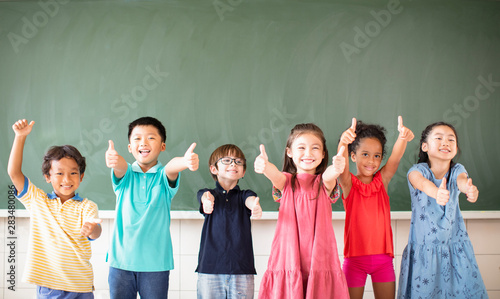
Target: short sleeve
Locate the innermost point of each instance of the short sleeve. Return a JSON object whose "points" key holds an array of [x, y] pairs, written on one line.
{"points": [[455, 172], [118, 182], [424, 170], [30, 194], [172, 190], [199, 195], [248, 193], [278, 194], [90, 211]]}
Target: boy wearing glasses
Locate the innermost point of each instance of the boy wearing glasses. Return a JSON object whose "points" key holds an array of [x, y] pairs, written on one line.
{"points": [[226, 261]]}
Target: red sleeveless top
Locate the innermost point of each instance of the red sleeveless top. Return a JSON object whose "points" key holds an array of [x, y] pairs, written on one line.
{"points": [[368, 219]]}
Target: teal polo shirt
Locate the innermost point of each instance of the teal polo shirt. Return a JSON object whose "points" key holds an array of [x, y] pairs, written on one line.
{"points": [[141, 239]]}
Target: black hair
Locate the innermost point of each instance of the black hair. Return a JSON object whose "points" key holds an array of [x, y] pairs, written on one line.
{"points": [[423, 157], [368, 131], [148, 121]]}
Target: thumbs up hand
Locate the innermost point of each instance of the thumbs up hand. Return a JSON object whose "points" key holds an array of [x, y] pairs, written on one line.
{"points": [[22, 128], [338, 162], [404, 133], [112, 156], [207, 199], [90, 227], [257, 209], [443, 195], [472, 192], [261, 161], [350, 134], [191, 158]]}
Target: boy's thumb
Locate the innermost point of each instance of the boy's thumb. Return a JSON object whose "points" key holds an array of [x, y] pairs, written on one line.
{"points": [[111, 146], [256, 202], [191, 148]]}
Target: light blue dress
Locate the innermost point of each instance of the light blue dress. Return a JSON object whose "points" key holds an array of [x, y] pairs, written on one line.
{"points": [[439, 260]]}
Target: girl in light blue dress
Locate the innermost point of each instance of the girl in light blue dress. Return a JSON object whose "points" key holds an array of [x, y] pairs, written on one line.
{"points": [[439, 260]]}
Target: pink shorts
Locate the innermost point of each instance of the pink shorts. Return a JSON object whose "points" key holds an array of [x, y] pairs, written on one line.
{"points": [[379, 266]]}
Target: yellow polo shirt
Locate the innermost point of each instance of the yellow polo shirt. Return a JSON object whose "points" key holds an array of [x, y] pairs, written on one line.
{"points": [[58, 255]]}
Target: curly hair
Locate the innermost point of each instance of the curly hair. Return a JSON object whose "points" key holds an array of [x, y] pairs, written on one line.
{"points": [[368, 131]]}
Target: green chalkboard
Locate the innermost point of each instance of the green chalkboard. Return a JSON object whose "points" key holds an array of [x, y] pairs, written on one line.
{"points": [[245, 72]]}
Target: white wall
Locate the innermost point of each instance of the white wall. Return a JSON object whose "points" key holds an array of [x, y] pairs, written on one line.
{"points": [[186, 229]]}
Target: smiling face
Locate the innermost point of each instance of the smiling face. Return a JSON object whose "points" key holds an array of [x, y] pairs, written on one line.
{"points": [[64, 175], [146, 145], [307, 153], [228, 175], [441, 144], [368, 157]]}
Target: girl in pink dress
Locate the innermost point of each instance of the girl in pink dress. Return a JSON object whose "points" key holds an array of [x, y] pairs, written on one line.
{"points": [[304, 261]]}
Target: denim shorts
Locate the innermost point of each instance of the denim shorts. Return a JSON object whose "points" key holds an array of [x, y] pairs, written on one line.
{"points": [[217, 286], [379, 266], [126, 284], [46, 293]]}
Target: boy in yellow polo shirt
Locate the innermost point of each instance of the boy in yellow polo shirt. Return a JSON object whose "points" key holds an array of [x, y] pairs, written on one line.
{"points": [[62, 223]]}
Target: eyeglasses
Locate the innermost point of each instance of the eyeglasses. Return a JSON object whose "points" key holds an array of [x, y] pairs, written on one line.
{"points": [[228, 161]]}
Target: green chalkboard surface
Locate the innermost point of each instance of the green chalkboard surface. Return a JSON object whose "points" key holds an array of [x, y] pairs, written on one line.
{"points": [[245, 72]]}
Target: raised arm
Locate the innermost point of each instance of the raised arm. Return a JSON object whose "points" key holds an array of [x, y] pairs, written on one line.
{"points": [[465, 186], [418, 181], [333, 171], [262, 165], [398, 150], [347, 138], [115, 161], [189, 161], [22, 129]]}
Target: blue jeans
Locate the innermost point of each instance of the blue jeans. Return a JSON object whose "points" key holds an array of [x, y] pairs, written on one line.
{"points": [[217, 286], [46, 293], [126, 284]]}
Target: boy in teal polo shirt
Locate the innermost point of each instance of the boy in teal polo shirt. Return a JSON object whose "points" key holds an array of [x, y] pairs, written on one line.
{"points": [[140, 254]]}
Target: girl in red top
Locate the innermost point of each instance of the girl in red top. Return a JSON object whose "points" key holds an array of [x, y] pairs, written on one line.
{"points": [[368, 245]]}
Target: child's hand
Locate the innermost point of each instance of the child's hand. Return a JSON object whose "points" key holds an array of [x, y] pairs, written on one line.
{"points": [[257, 209], [261, 161], [191, 158], [350, 134], [442, 195], [89, 227], [112, 156], [472, 192], [338, 162], [207, 199], [22, 128], [404, 133]]}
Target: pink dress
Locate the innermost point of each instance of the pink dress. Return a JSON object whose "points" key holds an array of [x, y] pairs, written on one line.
{"points": [[304, 262]]}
